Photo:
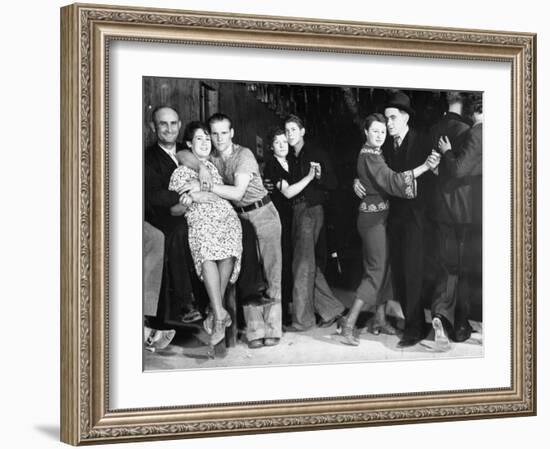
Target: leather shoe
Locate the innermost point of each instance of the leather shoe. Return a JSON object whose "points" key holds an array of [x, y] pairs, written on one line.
{"points": [[218, 332], [191, 316], [346, 331], [271, 341], [255, 344], [259, 299], [158, 339], [463, 332], [408, 341], [333, 320], [440, 335]]}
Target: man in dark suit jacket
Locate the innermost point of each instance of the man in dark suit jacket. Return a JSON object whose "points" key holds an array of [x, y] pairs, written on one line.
{"points": [[460, 173], [405, 150], [160, 203], [446, 215]]}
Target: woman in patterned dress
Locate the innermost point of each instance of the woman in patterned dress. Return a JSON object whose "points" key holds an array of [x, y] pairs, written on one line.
{"points": [[379, 182], [214, 232]]}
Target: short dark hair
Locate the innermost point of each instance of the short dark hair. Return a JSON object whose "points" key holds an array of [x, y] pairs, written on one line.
{"points": [[273, 133], [163, 106], [473, 103], [374, 117], [294, 119], [219, 117], [191, 128], [476, 102]]}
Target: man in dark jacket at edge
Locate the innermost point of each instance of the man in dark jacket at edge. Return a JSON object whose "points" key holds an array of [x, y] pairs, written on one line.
{"points": [[456, 211], [177, 301]]}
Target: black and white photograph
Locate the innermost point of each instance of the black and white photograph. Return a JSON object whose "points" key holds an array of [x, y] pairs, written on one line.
{"points": [[279, 221], [299, 224]]}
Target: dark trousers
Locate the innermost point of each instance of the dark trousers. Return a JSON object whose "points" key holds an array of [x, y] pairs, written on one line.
{"points": [[286, 278], [471, 273], [460, 264], [407, 265], [450, 283], [179, 280]]}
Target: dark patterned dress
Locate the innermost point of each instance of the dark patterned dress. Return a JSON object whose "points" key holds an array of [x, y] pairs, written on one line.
{"points": [[214, 229]]}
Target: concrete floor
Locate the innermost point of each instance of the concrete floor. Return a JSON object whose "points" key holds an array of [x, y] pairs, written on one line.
{"points": [[317, 346]]}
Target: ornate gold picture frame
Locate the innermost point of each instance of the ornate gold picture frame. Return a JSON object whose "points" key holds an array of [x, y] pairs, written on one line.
{"points": [[87, 33]]}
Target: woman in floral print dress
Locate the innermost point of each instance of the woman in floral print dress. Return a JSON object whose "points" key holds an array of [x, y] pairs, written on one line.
{"points": [[214, 231]]}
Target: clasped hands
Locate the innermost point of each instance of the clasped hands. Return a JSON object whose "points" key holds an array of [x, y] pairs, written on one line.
{"points": [[432, 163], [314, 171], [191, 192], [433, 160]]}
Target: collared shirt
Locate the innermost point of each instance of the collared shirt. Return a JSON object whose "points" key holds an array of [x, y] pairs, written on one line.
{"points": [[316, 191], [171, 153]]}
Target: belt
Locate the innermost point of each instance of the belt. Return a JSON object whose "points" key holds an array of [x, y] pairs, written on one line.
{"points": [[265, 200], [298, 200]]}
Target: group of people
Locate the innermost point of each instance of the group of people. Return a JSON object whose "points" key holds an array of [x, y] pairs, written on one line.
{"points": [[225, 222], [412, 186]]}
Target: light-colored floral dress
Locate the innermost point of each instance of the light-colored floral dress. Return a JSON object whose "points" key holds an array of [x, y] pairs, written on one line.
{"points": [[214, 228]]}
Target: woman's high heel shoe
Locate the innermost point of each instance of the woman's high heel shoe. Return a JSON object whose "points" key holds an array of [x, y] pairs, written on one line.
{"points": [[346, 332], [208, 323], [218, 332]]}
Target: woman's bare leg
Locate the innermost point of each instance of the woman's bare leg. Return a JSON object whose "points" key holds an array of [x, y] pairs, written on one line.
{"points": [[348, 322], [213, 282], [225, 268], [211, 277], [382, 324], [353, 313]]}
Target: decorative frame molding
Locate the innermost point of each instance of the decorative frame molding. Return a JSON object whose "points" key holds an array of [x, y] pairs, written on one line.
{"points": [[86, 32]]}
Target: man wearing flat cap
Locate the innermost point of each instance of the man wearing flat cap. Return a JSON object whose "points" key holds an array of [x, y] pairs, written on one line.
{"points": [[404, 150]]}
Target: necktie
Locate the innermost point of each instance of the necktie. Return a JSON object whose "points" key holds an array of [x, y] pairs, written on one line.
{"points": [[396, 143]]}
